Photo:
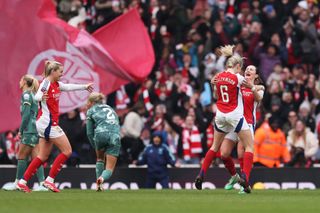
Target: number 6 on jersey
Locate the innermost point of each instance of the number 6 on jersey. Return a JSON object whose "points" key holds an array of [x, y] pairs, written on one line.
{"points": [[224, 93]]}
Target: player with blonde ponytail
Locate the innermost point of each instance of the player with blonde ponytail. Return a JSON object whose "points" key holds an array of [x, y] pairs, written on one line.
{"points": [[229, 116], [103, 131], [28, 131], [48, 95]]}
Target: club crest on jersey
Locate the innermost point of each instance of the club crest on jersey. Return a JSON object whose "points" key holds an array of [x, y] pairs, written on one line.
{"points": [[26, 96]]}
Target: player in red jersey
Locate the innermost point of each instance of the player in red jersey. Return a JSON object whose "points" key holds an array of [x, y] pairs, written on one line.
{"points": [[229, 116], [252, 95], [47, 125]]}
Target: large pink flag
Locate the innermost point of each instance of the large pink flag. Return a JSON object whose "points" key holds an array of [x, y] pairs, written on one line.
{"points": [[31, 33]]}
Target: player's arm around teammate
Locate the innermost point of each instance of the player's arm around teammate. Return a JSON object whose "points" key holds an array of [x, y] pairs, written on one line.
{"points": [[252, 95], [103, 130], [229, 117], [50, 133]]}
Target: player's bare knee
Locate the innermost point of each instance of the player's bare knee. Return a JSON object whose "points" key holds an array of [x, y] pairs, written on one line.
{"points": [[43, 158], [67, 153], [224, 155]]}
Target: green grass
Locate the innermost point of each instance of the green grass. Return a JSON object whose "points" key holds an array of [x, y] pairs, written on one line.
{"points": [[165, 201]]}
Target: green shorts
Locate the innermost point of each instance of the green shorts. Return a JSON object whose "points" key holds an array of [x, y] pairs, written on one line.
{"points": [[109, 142], [30, 139]]}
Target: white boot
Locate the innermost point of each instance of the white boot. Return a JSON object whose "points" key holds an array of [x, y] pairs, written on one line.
{"points": [[10, 186]]}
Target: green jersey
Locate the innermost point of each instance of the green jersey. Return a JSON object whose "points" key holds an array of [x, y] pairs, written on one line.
{"points": [[29, 112], [101, 118]]}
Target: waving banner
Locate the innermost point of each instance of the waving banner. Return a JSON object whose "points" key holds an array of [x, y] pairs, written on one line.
{"points": [[31, 33]]}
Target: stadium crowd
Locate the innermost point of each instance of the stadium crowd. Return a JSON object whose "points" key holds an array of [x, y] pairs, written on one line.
{"points": [[280, 37]]}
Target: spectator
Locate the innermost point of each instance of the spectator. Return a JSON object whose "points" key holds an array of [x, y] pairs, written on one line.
{"points": [[270, 144], [291, 121], [131, 144], [157, 155], [268, 57], [302, 144], [305, 115]]}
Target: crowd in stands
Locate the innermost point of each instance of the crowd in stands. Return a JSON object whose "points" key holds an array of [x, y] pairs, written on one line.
{"points": [[280, 37]]}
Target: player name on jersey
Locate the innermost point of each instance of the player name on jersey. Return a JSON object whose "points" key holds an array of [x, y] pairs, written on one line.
{"points": [[226, 79]]}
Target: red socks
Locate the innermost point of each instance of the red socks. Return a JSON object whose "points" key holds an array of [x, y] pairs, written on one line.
{"points": [[210, 156], [57, 165], [247, 163], [32, 168], [241, 164], [228, 163]]}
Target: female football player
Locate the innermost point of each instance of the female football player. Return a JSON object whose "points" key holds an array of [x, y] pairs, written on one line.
{"points": [[103, 131], [48, 125], [252, 95], [28, 131], [229, 116]]}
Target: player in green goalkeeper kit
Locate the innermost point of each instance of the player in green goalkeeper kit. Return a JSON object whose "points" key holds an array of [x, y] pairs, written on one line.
{"points": [[103, 131], [28, 131]]}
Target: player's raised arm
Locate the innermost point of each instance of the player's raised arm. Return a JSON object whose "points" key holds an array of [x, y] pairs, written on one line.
{"points": [[73, 87]]}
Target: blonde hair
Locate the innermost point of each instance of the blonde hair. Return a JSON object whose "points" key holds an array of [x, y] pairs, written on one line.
{"points": [[31, 82], [96, 98], [232, 59], [50, 66], [296, 135]]}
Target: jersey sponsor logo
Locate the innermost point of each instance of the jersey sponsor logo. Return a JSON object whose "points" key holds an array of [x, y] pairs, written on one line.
{"points": [[77, 69], [246, 93]]}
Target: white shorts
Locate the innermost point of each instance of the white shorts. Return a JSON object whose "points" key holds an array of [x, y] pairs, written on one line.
{"points": [[230, 122], [47, 131], [234, 136]]}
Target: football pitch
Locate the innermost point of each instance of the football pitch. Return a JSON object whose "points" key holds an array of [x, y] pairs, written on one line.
{"points": [[153, 201]]}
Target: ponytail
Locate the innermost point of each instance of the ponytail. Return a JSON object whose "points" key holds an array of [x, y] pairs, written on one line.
{"points": [[31, 82], [231, 59], [50, 66]]}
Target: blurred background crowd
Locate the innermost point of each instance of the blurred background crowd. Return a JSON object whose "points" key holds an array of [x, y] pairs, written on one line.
{"points": [[280, 37]]}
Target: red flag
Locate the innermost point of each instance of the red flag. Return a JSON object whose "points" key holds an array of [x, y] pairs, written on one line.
{"points": [[31, 33], [114, 38]]}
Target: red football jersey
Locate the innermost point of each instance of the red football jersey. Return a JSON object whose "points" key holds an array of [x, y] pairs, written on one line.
{"points": [[50, 108], [228, 91], [249, 105]]}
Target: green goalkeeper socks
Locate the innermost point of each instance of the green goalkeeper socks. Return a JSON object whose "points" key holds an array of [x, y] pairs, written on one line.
{"points": [[99, 168], [106, 174], [21, 168], [40, 174]]}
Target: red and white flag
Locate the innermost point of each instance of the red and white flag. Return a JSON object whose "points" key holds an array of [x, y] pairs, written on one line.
{"points": [[31, 33]]}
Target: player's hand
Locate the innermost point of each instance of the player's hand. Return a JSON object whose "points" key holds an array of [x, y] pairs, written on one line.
{"points": [[247, 84], [214, 80], [89, 87], [260, 87], [45, 96]]}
